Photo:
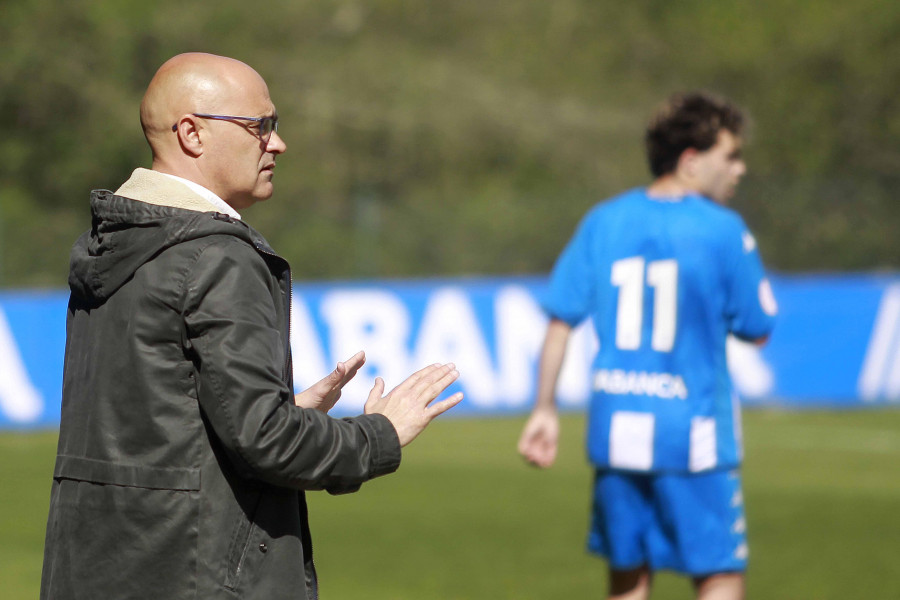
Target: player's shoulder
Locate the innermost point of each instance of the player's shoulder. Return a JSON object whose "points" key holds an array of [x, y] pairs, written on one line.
{"points": [[727, 219], [627, 201], [716, 209], [726, 225]]}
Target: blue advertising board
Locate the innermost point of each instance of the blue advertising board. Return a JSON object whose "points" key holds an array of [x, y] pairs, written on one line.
{"points": [[837, 343]]}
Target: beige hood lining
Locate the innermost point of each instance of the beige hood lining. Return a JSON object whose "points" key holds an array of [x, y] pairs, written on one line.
{"points": [[155, 188]]}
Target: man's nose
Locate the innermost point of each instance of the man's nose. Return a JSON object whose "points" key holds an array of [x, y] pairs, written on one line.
{"points": [[276, 145]]}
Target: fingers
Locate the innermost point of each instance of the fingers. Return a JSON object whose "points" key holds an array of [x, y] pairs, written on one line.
{"points": [[377, 389], [352, 365], [525, 442], [375, 396], [541, 460], [539, 440], [408, 406], [439, 408], [433, 380], [345, 371], [420, 388], [533, 431], [538, 452], [330, 386], [427, 382], [434, 390], [419, 376], [330, 382]]}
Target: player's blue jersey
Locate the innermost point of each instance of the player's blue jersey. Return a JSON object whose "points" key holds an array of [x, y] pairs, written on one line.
{"points": [[665, 281]]}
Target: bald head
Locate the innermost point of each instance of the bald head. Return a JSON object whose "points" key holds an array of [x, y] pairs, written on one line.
{"points": [[202, 115], [189, 83]]}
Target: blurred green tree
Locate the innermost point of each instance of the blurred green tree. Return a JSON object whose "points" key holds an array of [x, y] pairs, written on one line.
{"points": [[447, 138]]}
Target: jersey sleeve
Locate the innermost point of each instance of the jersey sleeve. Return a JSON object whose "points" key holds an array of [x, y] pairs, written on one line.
{"points": [[750, 307], [571, 285]]}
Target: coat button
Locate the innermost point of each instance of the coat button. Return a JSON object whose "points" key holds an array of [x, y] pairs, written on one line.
{"points": [[263, 548]]}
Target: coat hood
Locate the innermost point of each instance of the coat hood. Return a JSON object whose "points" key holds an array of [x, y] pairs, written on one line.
{"points": [[149, 213]]}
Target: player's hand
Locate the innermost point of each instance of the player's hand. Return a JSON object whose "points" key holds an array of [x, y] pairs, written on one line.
{"points": [[408, 407], [324, 394], [540, 438]]}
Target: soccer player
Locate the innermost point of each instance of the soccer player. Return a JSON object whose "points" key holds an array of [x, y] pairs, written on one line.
{"points": [[666, 273]]}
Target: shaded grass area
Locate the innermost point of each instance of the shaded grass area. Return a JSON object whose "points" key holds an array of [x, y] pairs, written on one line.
{"points": [[465, 518], [26, 468]]}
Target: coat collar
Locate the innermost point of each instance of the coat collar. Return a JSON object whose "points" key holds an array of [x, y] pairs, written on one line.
{"points": [[156, 188]]}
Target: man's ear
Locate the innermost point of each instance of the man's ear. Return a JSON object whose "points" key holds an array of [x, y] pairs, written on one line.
{"points": [[686, 161], [188, 133]]}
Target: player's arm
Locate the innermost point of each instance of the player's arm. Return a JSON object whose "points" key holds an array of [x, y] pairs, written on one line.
{"points": [[539, 440], [568, 302], [751, 306]]}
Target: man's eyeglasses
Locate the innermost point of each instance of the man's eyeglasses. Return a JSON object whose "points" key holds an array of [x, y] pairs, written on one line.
{"points": [[265, 127]]}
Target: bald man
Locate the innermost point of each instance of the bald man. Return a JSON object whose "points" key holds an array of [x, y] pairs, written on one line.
{"points": [[183, 452]]}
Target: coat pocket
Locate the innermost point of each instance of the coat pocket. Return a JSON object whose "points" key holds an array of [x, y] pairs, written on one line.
{"points": [[241, 541], [119, 531]]}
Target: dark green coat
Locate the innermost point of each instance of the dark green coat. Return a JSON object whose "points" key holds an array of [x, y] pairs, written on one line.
{"points": [[182, 457]]}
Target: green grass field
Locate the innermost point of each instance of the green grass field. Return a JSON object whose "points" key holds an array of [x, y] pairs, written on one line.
{"points": [[465, 518]]}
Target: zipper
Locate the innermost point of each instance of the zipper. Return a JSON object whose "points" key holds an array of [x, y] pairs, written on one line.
{"points": [[290, 280], [288, 313], [287, 378]]}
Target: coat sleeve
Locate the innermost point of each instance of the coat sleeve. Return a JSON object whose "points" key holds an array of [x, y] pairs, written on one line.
{"points": [[235, 330]]}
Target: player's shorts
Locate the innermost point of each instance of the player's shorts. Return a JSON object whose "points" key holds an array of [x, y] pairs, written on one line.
{"points": [[692, 524]]}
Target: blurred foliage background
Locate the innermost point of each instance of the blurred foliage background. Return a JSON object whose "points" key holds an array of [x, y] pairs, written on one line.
{"points": [[463, 137]]}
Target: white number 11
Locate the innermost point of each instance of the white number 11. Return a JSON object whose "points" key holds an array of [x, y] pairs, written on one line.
{"points": [[662, 276]]}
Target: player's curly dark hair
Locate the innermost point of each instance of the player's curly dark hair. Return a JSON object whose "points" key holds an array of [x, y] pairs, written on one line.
{"points": [[688, 120]]}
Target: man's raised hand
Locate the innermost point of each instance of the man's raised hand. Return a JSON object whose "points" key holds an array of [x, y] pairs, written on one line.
{"points": [[409, 405], [325, 393]]}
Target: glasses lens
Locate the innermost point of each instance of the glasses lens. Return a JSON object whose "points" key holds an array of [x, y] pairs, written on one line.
{"points": [[267, 126]]}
